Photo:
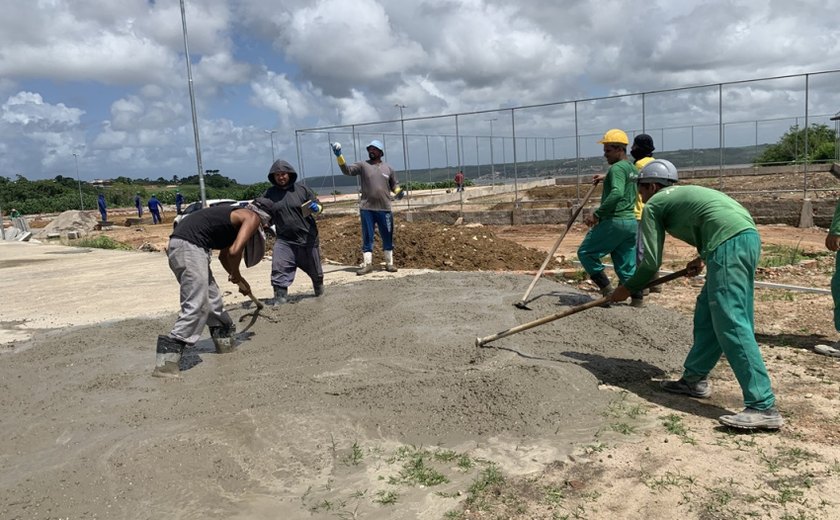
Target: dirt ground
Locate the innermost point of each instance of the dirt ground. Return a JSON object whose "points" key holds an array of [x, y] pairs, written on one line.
{"points": [[373, 401]]}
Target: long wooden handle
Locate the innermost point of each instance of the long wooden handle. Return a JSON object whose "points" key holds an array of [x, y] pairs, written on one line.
{"points": [[548, 258], [254, 299], [480, 342]]}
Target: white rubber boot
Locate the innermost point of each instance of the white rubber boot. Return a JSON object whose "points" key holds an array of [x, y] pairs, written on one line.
{"points": [[367, 264], [389, 262]]}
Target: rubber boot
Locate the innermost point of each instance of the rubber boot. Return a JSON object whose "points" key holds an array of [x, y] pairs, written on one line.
{"points": [[223, 337], [318, 286], [280, 296], [389, 262], [637, 299], [169, 351], [367, 264], [604, 285]]}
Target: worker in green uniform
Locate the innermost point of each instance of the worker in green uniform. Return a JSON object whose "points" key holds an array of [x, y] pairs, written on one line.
{"points": [[727, 241], [613, 229], [832, 243]]}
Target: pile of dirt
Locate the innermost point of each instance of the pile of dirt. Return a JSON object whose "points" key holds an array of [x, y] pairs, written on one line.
{"points": [[427, 245], [72, 220]]}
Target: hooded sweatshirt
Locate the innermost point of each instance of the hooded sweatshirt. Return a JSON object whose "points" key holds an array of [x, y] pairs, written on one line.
{"points": [[286, 215]]}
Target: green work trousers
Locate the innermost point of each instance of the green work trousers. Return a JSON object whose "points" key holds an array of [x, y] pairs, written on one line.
{"points": [[835, 291], [614, 237], [723, 320]]}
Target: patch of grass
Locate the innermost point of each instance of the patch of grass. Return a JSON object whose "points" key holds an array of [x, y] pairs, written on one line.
{"points": [[491, 476], [355, 456], [465, 463], [553, 495], [774, 255], [623, 428], [673, 424], [386, 498], [774, 295], [669, 480], [101, 242], [416, 470], [578, 276]]}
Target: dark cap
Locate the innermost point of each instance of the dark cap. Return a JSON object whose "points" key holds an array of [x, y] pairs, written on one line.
{"points": [[644, 143]]}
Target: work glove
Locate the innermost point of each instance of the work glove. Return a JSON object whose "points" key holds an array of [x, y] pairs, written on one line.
{"points": [[336, 148], [314, 207], [399, 193]]}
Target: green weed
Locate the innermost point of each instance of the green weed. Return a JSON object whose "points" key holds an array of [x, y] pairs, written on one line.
{"points": [[101, 242], [774, 255], [354, 458], [386, 498]]}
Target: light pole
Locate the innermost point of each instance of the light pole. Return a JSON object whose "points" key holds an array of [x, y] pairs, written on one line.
{"points": [[79, 179], [492, 162], [271, 134], [201, 187], [405, 154]]}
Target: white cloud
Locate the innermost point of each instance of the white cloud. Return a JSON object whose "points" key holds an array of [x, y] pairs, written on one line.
{"points": [[28, 109], [114, 74]]}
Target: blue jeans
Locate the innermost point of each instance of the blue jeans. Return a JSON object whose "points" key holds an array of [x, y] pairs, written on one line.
{"points": [[384, 221]]}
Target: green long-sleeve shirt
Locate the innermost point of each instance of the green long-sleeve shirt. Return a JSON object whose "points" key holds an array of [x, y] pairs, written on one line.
{"points": [[702, 217], [619, 195]]}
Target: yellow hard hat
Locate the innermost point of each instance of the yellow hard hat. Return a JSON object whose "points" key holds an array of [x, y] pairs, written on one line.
{"points": [[614, 136]]}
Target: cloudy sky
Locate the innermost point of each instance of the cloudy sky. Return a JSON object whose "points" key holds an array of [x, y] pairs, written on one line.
{"points": [[107, 80]]}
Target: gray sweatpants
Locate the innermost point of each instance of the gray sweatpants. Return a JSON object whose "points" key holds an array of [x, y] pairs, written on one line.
{"points": [[201, 300], [286, 258]]}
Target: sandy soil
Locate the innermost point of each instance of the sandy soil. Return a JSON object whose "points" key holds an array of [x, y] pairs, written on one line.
{"points": [[373, 401]]}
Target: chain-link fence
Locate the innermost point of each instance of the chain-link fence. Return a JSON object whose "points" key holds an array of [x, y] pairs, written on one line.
{"points": [[717, 126]]}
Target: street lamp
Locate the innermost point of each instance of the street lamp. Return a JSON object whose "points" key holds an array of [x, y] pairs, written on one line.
{"points": [[79, 179], [492, 163], [271, 134], [405, 152], [201, 187]]}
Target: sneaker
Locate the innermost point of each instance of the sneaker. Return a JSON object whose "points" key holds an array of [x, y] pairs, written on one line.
{"points": [[832, 350], [752, 419], [365, 269], [701, 389], [391, 268]]}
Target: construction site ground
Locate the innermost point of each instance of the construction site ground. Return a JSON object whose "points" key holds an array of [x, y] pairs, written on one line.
{"points": [[373, 401]]}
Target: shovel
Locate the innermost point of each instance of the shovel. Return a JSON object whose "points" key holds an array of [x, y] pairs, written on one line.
{"points": [[254, 315], [480, 342], [521, 303]]}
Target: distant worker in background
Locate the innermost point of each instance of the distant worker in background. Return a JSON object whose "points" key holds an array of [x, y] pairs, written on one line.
{"points": [[642, 151], [138, 203], [378, 180], [179, 200], [103, 211], [154, 207], [237, 233], [727, 240], [459, 181], [613, 229], [297, 245], [832, 243], [14, 213]]}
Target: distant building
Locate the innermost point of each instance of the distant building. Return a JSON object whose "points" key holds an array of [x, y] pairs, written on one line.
{"points": [[102, 183]]}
